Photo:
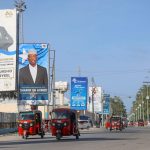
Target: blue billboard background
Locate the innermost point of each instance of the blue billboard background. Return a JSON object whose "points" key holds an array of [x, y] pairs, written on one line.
{"points": [[42, 52], [106, 105], [79, 88]]}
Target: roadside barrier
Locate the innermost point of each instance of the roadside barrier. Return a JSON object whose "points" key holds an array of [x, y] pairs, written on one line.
{"points": [[8, 120]]}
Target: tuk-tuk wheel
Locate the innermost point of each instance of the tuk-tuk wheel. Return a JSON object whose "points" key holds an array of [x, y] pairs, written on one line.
{"points": [[77, 136], [24, 137], [42, 135], [58, 136]]}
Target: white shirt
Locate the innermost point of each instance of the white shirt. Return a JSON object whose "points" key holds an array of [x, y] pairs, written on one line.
{"points": [[33, 71]]}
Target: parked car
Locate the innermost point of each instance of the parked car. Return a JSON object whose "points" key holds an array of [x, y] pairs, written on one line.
{"points": [[141, 122], [84, 122]]}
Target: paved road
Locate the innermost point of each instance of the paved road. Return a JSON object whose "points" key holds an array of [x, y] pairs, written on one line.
{"points": [[137, 138]]}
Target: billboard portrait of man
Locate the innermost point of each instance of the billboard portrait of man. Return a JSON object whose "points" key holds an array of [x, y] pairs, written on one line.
{"points": [[5, 39], [33, 73]]}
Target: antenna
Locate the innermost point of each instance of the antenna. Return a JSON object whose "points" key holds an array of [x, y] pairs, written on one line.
{"points": [[79, 71]]}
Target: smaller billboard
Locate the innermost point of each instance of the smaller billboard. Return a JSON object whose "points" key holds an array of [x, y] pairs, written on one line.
{"points": [[106, 104], [79, 88], [97, 99]]}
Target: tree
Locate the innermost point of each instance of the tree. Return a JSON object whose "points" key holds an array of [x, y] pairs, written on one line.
{"points": [[117, 106]]}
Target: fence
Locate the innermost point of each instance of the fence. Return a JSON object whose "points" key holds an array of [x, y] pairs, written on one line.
{"points": [[8, 120]]}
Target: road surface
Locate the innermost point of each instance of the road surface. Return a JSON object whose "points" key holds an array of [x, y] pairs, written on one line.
{"points": [[132, 138]]}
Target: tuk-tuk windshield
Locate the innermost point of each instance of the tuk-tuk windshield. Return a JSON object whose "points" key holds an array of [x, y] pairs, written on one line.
{"points": [[115, 119], [60, 115], [26, 116]]}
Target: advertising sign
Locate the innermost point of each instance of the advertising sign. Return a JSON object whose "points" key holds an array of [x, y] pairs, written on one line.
{"points": [[33, 73], [8, 46], [106, 104], [97, 99], [79, 88]]}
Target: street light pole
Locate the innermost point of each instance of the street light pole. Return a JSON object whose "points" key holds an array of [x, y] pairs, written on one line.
{"points": [[20, 8], [143, 109], [142, 103], [140, 111], [136, 114], [147, 98]]}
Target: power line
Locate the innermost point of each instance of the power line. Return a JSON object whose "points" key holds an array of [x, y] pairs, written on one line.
{"points": [[105, 71]]}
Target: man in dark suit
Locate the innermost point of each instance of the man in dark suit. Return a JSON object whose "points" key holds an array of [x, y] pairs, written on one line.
{"points": [[5, 39], [33, 74]]}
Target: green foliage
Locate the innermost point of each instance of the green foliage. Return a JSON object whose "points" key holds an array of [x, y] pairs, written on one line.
{"points": [[117, 106], [141, 99]]}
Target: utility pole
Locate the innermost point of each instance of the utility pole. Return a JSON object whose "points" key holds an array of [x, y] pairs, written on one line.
{"points": [[52, 79], [93, 92], [20, 7]]}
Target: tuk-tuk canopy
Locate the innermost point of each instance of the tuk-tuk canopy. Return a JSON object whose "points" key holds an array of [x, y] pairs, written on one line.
{"points": [[62, 113], [115, 118], [28, 115]]}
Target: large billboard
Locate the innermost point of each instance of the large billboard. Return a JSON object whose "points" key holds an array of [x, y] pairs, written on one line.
{"points": [[33, 73], [79, 89], [8, 26]]}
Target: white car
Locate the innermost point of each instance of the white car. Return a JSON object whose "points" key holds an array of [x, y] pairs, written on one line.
{"points": [[84, 124]]}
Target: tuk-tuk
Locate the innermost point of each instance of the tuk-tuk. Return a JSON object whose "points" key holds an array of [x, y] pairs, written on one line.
{"points": [[64, 123], [30, 123], [116, 123]]}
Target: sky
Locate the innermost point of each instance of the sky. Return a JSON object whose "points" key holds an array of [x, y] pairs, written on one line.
{"points": [[108, 40]]}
